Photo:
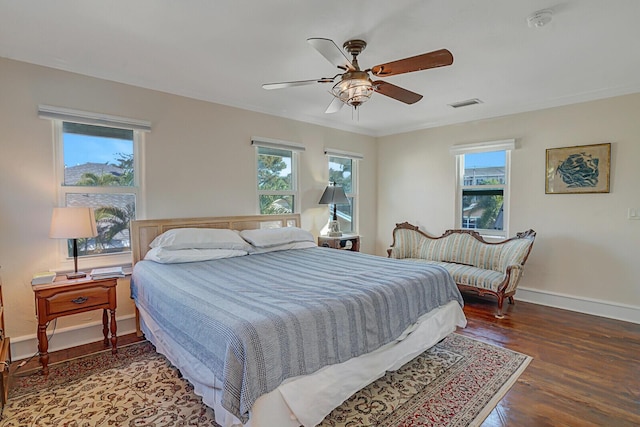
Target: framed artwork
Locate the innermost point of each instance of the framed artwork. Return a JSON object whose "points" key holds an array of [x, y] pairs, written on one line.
{"points": [[579, 169]]}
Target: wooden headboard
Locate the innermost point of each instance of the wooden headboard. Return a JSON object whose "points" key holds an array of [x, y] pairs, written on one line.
{"points": [[145, 230]]}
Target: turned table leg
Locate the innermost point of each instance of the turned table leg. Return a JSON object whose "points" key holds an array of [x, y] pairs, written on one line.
{"points": [[114, 328], [43, 348], [105, 327]]}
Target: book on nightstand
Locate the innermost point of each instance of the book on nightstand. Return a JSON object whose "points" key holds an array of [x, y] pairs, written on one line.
{"points": [[43, 277], [106, 273]]}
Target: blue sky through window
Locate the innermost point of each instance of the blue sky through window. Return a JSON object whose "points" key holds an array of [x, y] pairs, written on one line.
{"points": [[483, 160], [81, 149]]}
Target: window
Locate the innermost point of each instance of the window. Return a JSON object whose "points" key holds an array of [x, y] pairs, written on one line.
{"points": [[277, 181], [99, 166], [482, 187], [343, 168]]}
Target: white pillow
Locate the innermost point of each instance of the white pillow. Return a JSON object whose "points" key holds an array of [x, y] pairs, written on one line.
{"points": [[267, 237], [200, 238], [284, 247], [173, 256]]}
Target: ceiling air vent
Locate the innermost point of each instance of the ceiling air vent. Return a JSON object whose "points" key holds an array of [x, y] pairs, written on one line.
{"points": [[466, 103]]}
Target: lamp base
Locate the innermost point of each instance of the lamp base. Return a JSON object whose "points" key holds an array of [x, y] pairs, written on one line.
{"points": [[76, 275], [334, 229]]}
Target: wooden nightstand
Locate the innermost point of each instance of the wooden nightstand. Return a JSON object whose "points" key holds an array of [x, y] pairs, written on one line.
{"points": [[350, 242], [66, 297]]}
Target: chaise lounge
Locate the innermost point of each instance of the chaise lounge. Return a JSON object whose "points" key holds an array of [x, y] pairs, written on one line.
{"points": [[487, 268]]}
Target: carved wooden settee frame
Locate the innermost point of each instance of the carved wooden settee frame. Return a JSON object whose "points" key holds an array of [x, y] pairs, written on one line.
{"points": [[468, 259]]}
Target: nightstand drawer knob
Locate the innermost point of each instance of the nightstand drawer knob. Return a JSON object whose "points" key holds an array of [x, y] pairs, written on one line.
{"points": [[80, 300]]}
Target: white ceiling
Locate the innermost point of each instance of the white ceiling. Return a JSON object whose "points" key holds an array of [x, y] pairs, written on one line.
{"points": [[224, 50]]}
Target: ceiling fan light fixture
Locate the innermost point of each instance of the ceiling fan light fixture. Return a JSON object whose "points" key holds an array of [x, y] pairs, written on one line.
{"points": [[355, 86], [353, 90]]}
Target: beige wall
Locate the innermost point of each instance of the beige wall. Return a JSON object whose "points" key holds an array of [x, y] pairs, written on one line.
{"points": [[586, 248], [199, 162]]}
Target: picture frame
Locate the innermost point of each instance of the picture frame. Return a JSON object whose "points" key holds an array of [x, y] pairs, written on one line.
{"points": [[578, 169]]}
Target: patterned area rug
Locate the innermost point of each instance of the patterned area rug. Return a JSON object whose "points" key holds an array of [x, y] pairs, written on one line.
{"points": [[456, 383]]}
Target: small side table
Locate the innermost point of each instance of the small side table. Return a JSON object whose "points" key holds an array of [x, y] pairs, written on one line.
{"points": [[66, 297], [349, 242]]}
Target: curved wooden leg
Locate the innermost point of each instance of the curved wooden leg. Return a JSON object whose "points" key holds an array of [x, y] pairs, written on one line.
{"points": [[499, 314], [511, 301]]}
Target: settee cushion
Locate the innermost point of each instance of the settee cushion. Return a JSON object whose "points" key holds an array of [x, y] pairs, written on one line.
{"points": [[460, 248], [469, 275]]}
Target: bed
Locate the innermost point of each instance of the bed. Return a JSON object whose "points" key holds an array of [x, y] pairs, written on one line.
{"points": [[282, 337]]}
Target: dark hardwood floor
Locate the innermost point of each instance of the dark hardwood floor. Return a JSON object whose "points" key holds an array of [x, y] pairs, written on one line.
{"points": [[69, 353], [585, 369]]}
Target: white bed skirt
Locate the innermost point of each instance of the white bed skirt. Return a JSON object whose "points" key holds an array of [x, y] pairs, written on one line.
{"points": [[306, 400]]}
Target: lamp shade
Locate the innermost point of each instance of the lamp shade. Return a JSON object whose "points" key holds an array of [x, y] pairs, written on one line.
{"points": [[333, 195], [73, 223]]}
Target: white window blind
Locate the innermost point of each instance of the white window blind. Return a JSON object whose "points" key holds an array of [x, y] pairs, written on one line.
{"points": [[276, 143], [480, 147], [88, 118], [332, 152]]}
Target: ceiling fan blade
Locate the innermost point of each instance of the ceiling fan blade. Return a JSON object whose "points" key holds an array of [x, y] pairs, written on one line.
{"points": [[282, 85], [437, 58], [396, 92], [335, 106], [332, 52]]}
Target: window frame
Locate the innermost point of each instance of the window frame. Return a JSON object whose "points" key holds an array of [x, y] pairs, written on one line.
{"points": [[355, 182], [507, 146], [294, 149], [64, 262]]}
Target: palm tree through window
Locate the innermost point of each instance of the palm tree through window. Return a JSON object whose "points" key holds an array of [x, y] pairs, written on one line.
{"points": [[99, 172]]}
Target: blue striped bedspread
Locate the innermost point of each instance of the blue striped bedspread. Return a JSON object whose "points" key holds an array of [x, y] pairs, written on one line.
{"points": [[257, 320]]}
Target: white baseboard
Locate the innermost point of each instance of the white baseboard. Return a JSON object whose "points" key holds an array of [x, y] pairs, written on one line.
{"points": [[627, 313], [26, 346]]}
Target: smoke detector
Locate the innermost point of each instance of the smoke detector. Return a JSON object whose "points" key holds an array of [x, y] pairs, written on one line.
{"points": [[540, 18]]}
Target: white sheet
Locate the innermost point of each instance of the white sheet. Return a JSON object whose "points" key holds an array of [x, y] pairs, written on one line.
{"points": [[306, 400]]}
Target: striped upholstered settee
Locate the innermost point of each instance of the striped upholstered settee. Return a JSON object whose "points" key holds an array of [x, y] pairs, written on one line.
{"points": [[492, 268]]}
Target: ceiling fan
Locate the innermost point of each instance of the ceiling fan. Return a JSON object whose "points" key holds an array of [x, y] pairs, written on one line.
{"points": [[355, 86]]}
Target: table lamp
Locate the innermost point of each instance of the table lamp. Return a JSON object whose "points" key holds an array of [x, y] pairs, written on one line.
{"points": [[334, 195], [73, 223]]}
